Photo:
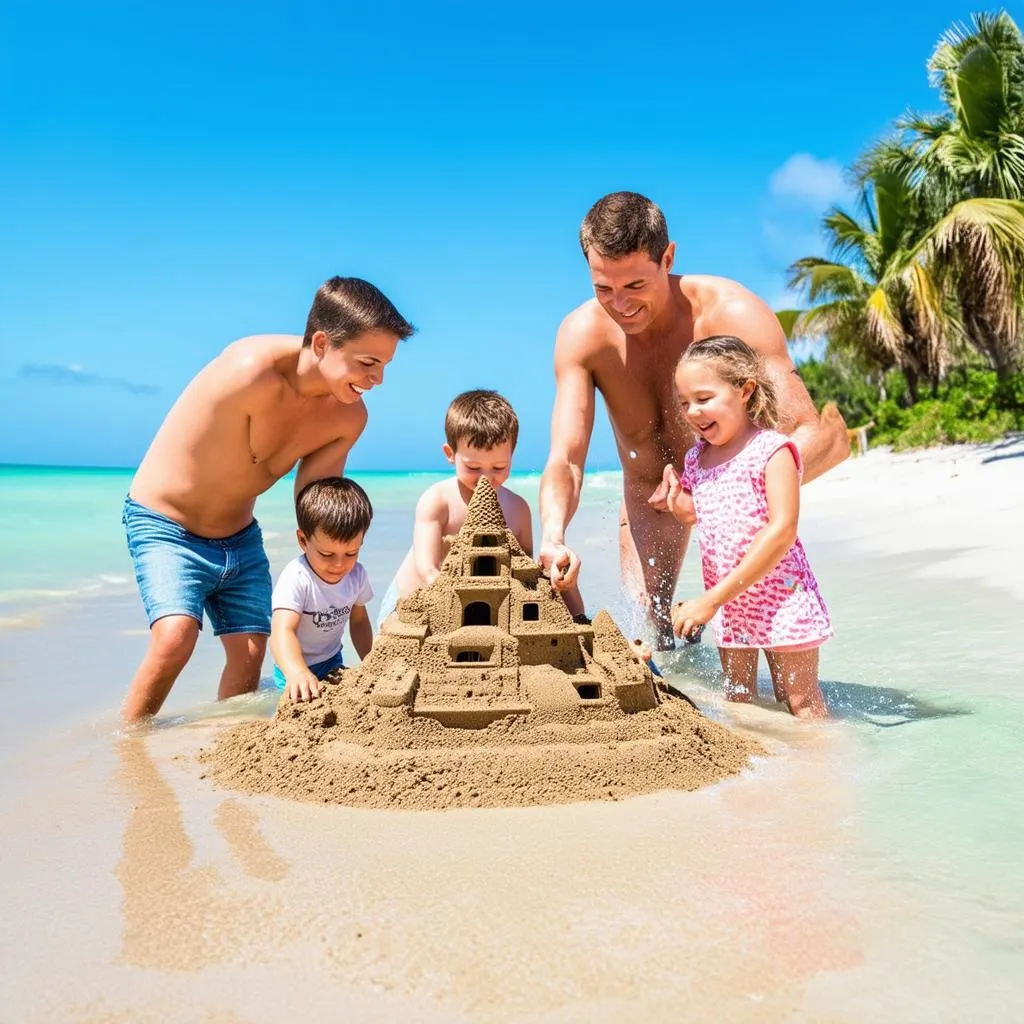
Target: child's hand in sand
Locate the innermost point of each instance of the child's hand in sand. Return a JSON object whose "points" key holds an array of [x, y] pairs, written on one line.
{"points": [[678, 501], [690, 617], [641, 651], [302, 686]]}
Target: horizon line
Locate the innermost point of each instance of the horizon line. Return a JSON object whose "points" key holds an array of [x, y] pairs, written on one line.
{"points": [[415, 469]]}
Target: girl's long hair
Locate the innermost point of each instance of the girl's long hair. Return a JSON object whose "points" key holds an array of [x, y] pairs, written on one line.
{"points": [[736, 363]]}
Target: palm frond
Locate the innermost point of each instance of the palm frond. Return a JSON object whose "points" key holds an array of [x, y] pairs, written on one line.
{"points": [[824, 279], [885, 325], [977, 70], [849, 241], [787, 321], [983, 241]]}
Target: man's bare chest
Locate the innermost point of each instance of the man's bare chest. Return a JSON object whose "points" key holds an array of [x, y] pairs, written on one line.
{"points": [[277, 438], [638, 388]]}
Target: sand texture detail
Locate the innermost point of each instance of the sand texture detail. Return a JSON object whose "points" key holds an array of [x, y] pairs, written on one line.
{"points": [[481, 690]]}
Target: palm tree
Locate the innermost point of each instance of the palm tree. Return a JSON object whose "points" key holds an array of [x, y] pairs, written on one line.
{"points": [[976, 148], [876, 299], [966, 167]]}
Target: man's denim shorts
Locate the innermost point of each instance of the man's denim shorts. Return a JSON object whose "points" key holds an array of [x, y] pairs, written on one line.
{"points": [[179, 573]]}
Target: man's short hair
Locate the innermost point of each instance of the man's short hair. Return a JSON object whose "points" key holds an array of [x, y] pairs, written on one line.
{"points": [[482, 419], [336, 506], [345, 307], [623, 223]]}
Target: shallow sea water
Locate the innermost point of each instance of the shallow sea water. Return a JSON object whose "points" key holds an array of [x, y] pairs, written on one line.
{"points": [[869, 869]]}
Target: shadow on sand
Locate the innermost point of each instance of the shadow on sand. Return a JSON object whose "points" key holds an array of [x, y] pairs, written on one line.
{"points": [[1011, 447], [882, 706]]}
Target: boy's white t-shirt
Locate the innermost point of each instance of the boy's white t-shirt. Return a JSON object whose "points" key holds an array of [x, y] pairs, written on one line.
{"points": [[325, 607]]}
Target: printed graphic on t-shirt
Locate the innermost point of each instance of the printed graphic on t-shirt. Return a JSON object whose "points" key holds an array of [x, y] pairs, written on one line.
{"points": [[325, 608], [330, 618]]}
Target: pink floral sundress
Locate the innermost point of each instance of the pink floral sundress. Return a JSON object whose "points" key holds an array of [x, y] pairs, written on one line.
{"points": [[785, 609]]}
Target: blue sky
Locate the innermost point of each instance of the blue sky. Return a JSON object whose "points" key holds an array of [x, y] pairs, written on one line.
{"points": [[176, 176]]}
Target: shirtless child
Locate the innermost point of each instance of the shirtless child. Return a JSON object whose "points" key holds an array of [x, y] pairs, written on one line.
{"points": [[243, 422], [481, 430]]}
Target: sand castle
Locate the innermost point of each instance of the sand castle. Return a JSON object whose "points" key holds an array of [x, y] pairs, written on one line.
{"points": [[481, 690], [491, 637]]}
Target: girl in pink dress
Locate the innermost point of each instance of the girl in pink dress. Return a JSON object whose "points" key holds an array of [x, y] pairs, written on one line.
{"points": [[741, 484]]}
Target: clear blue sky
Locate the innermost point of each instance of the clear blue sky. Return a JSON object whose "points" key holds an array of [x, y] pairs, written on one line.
{"points": [[174, 176]]}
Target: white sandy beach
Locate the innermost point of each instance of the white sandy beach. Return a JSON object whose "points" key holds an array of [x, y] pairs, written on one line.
{"points": [[861, 873], [961, 504]]}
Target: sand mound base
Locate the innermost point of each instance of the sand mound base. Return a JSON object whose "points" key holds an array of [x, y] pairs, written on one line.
{"points": [[342, 748]]}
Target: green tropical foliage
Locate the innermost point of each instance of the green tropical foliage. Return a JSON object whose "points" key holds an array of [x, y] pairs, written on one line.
{"points": [[926, 279], [971, 405]]}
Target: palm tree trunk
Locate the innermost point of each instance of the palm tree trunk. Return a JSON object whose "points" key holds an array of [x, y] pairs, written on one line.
{"points": [[913, 384], [1002, 352]]}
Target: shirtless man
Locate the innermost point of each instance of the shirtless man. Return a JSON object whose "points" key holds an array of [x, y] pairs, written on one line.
{"points": [[626, 342], [243, 422]]}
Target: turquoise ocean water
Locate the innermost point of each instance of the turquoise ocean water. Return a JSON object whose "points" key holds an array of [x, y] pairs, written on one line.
{"points": [[914, 790], [61, 539]]}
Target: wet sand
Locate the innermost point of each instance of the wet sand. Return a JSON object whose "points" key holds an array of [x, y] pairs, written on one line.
{"points": [[167, 899]]}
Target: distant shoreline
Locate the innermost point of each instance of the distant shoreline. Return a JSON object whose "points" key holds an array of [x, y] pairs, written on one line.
{"points": [[1009, 440], [609, 467]]}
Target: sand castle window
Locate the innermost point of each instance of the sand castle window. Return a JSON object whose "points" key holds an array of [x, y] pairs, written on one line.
{"points": [[485, 565], [589, 691], [485, 540], [478, 654], [531, 612], [477, 614]]}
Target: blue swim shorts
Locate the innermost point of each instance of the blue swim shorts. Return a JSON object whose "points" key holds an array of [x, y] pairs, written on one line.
{"points": [[180, 573], [321, 669]]}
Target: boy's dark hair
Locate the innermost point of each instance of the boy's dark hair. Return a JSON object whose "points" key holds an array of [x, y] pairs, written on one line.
{"points": [[336, 506], [736, 363], [345, 307], [482, 419], [623, 223]]}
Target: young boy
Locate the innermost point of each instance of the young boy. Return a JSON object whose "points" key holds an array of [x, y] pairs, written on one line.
{"points": [[481, 430], [323, 589]]}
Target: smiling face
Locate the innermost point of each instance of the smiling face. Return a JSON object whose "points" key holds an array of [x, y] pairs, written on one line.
{"points": [[332, 560], [472, 463], [712, 406], [633, 289], [351, 369]]}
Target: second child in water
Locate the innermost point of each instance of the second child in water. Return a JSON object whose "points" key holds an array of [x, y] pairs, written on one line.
{"points": [[324, 590], [481, 430], [741, 484]]}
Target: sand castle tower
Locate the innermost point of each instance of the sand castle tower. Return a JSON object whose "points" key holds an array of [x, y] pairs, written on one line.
{"points": [[490, 637]]}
